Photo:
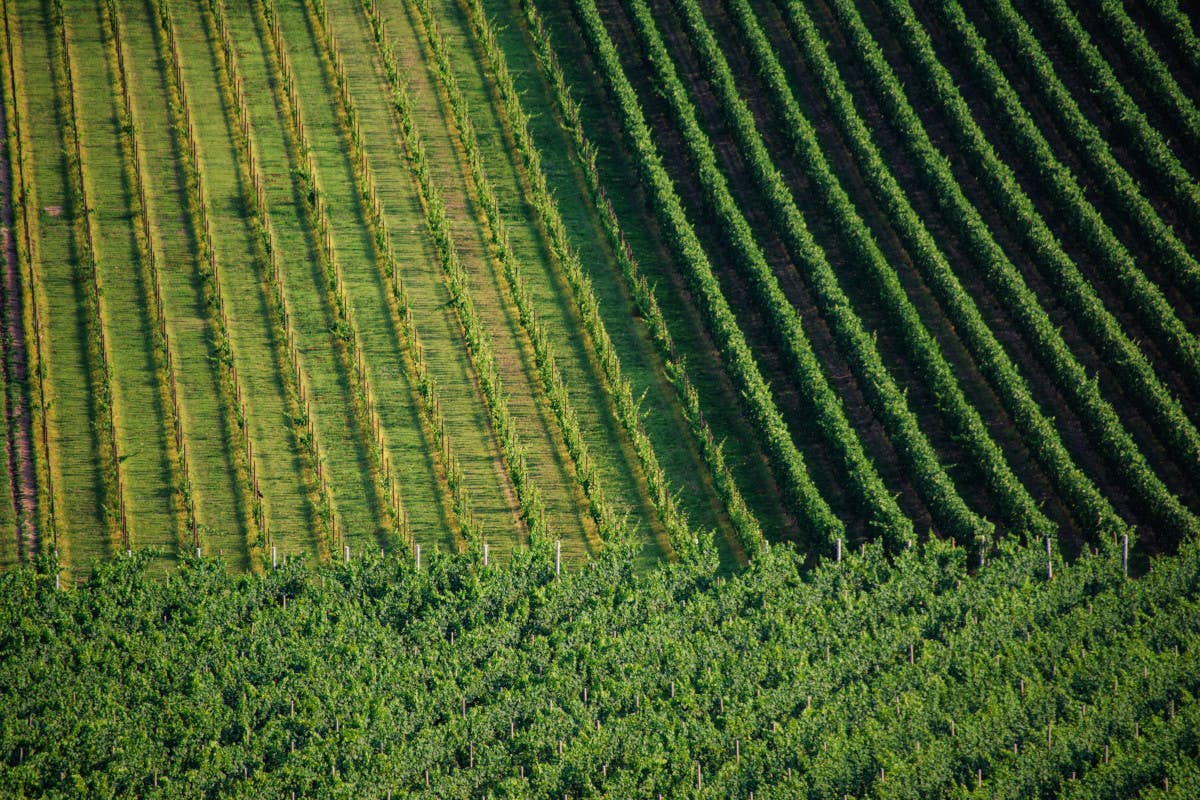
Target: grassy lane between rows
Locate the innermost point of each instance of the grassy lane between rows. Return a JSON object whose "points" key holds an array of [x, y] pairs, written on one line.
{"points": [[435, 340], [204, 415], [138, 415], [81, 529]]}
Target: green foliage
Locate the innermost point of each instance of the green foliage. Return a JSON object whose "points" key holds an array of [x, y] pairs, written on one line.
{"points": [[869, 676]]}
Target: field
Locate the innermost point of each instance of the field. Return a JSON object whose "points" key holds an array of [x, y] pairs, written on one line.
{"points": [[691, 282], [300, 277]]}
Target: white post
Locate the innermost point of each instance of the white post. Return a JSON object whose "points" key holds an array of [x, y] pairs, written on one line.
{"points": [[1049, 561], [418, 550], [274, 558], [557, 557], [839, 549], [197, 552], [347, 553], [485, 554]]}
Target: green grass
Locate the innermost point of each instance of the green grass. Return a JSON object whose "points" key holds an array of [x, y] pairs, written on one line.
{"points": [[718, 398], [74, 452], [204, 414], [251, 333], [309, 301], [141, 430], [608, 443], [445, 351]]}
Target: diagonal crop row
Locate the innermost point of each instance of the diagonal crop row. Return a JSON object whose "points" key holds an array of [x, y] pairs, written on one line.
{"points": [[609, 526], [1151, 71], [1166, 248], [1179, 29], [457, 281], [414, 351], [747, 527], [1141, 295], [880, 387], [1018, 507], [823, 527], [1088, 506], [1149, 143], [584, 298], [876, 501], [1021, 302]]}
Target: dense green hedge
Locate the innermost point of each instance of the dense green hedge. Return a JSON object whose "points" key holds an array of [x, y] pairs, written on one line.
{"points": [[903, 677]]}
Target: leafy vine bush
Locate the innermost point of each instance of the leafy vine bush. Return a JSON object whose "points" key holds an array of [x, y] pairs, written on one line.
{"points": [[874, 676]]}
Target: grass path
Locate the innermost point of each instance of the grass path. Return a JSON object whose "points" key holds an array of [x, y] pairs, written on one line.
{"points": [[253, 338], [141, 430], [82, 529], [205, 418]]}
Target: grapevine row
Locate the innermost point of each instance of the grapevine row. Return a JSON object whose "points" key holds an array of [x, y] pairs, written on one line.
{"points": [[1089, 507], [884, 393], [749, 533], [802, 495], [1167, 250], [1142, 296], [1072, 379], [1120, 107]]}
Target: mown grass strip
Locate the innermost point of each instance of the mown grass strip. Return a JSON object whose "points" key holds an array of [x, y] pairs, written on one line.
{"points": [[1090, 509], [290, 493], [139, 437], [477, 338], [584, 298], [823, 528], [77, 321], [536, 237], [366, 294], [163, 365]]}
